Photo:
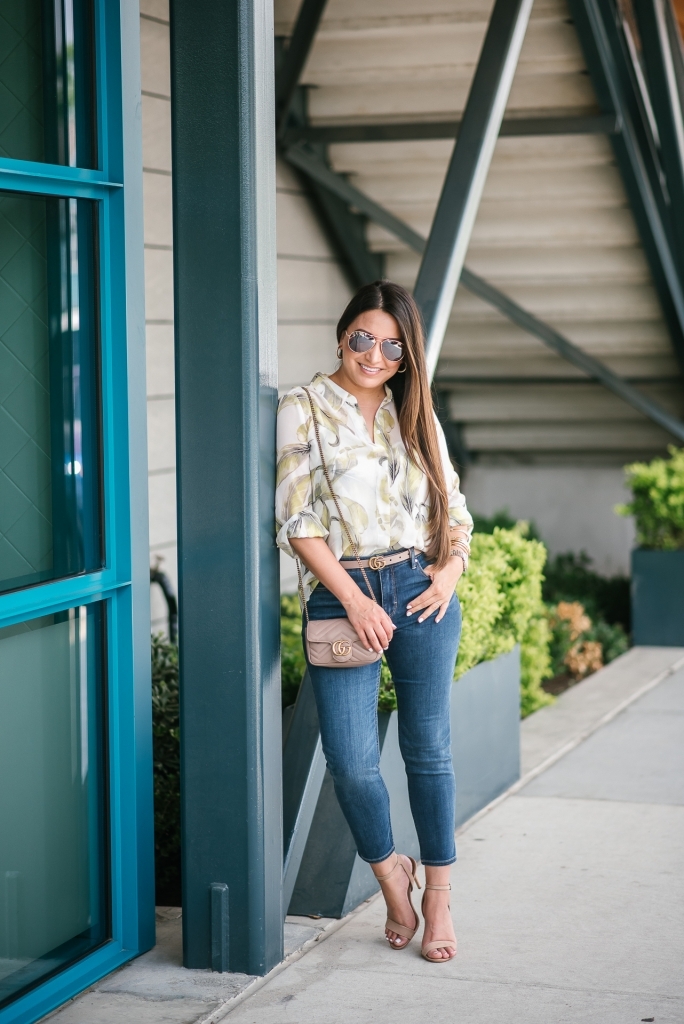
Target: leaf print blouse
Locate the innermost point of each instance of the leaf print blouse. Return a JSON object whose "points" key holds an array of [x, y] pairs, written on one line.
{"points": [[382, 493]]}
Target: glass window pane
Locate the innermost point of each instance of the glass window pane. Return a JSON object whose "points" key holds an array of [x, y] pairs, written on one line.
{"points": [[50, 473], [54, 885], [46, 81]]}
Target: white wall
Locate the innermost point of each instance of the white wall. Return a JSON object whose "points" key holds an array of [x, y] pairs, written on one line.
{"points": [[571, 506], [312, 292], [156, 108]]}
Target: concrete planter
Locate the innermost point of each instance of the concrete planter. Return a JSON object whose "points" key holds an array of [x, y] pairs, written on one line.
{"points": [[485, 721], [658, 598]]}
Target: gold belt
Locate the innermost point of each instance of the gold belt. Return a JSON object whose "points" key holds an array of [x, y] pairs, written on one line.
{"points": [[376, 561]]}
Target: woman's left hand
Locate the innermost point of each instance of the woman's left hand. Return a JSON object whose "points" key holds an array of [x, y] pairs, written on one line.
{"points": [[439, 593]]}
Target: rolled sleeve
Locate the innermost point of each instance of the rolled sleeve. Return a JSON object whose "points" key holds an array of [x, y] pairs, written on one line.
{"points": [[295, 515]]}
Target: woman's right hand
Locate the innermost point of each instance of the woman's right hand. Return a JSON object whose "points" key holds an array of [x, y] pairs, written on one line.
{"points": [[371, 622]]}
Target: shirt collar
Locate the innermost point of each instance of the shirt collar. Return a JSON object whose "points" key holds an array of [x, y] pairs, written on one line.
{"points": [[343, 395]]}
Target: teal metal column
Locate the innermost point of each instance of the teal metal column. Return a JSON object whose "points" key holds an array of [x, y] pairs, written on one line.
{"points": [[225, 294]]}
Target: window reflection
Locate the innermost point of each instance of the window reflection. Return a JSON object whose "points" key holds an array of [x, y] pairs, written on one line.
{"points": [[46, 81], [54, 886], [50, 506]]}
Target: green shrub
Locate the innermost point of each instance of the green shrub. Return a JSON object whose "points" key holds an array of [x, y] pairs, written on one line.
{"points": [[569, 577], [502, 606], [166, 760], [658, 501], [292, 660]]}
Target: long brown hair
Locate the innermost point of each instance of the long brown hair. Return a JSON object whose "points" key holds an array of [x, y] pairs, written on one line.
{"points": [[413, 399]]}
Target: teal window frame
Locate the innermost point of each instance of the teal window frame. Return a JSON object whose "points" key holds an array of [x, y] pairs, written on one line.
{"points": [[124, 477]]}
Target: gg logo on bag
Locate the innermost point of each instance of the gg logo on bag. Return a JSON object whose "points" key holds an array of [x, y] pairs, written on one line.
{"points": [[341, 648]]}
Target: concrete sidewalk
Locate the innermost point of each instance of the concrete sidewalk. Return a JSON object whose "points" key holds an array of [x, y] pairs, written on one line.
{"points": [[567, 894]]}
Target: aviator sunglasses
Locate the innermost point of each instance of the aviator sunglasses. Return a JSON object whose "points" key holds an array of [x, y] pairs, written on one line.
{"points": [[362, 341]]}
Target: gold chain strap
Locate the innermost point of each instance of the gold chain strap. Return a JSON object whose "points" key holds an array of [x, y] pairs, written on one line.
{"points": [[339, 513]]}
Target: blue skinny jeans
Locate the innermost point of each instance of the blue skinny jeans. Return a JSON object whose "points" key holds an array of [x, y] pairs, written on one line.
{"points": [[421, 657]]}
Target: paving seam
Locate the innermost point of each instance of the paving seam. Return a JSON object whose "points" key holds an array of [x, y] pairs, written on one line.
{"points": [[330, 929], [226, 1008]]}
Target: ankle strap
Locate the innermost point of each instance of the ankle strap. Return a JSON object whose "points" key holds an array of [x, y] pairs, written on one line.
{"points": [[382, 878], [442, 888]]}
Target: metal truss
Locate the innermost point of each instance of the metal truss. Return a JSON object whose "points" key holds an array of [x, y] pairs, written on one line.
{"points": [[592, 367], [621, 90], [452, 226], [410, 131]]}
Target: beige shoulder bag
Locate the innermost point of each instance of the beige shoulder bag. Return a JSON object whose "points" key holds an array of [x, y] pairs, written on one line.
{"points": [[334, 643]]}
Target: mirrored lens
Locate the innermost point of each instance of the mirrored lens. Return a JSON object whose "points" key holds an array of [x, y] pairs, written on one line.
{"points": [[392, 350], [359, 341]]}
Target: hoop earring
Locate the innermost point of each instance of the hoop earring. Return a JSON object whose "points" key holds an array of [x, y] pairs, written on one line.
{"points": [[339, 351], [400, 370]]}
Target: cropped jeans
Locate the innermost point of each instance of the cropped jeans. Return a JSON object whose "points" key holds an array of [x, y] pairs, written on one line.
{"points": [[421, 657]]}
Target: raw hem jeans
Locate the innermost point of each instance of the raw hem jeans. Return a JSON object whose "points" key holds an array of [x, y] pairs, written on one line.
{"points": [[421, 657]]}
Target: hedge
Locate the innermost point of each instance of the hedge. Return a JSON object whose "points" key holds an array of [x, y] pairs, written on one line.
{"points": [[658, 501]]}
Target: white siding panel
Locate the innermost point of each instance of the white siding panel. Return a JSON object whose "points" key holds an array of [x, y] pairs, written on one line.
{"points": [[157, 209], [162, 492], [161, 432], [299, 233], [155, 8], [160, 359], [154, 52], [158, 284], [156, 131], [303, 350], [310, 292]]}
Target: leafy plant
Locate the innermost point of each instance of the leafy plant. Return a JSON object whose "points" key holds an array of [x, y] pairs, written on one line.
{"points": [[166, 760], [580, 646], [502, 606], [658, 501], [292, 660], [569, 577]]}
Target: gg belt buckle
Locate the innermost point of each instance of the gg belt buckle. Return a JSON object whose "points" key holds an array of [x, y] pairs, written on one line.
{"points": [[376, 562]]}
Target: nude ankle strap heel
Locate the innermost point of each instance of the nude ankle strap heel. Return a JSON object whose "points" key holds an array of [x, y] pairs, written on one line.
{"points": [[429, 947], [394, 926]]}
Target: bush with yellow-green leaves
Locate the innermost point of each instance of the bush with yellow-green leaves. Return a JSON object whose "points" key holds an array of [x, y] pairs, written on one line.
{"points": [[657, 501], [502, 606]]}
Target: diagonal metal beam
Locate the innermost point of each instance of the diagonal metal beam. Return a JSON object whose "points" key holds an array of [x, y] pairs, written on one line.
{"points": [[339, 186], [579, 124], [454, 219], [658, 43], [635, 152], [295, 57], [572, 353], [493, 296]]}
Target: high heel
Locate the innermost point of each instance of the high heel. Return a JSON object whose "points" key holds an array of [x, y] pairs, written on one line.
{"points": [[394, 926], [428, 947]]}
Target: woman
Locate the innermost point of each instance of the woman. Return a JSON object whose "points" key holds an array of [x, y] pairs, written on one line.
{"points": [[388, 465]]}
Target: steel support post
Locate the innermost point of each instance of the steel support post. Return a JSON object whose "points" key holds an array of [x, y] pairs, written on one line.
{"points": [[454, 218], [226, 361]]}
